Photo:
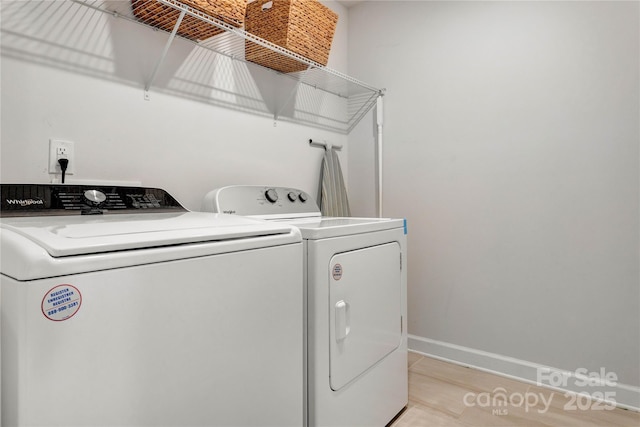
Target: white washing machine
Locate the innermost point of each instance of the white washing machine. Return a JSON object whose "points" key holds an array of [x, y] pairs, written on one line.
{"points": [[356, 281], [141, 313]]}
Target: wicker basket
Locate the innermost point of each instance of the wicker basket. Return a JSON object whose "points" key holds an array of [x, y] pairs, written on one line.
{"points": [[161, 16], [304, 27]]}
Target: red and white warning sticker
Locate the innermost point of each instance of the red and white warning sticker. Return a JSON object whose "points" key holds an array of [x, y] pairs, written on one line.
{"points": [[61, 302]]}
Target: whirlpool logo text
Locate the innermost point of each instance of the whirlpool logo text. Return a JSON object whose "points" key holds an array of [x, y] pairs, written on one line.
{"points": [[25, 202]]}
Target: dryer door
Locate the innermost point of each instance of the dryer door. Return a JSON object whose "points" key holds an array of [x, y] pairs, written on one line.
{"points": [[365, 310]]}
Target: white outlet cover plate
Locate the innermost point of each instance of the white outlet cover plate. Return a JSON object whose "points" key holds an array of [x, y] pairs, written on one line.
{"points": [[54, 167]]}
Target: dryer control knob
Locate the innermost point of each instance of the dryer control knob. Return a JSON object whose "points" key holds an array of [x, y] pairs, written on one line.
{"points": [[303, 197], [292, 196], [271, 195], [95, 197]]}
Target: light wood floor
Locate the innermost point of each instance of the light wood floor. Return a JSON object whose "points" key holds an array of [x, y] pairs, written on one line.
{"points": [[443, 394]]}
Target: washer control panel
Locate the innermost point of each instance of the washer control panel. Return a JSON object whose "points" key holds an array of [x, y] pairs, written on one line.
{"points": [[56, 199], [260, 200]]}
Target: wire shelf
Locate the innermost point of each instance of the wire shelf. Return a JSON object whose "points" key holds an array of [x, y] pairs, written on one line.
{"points": [[322, 96]]}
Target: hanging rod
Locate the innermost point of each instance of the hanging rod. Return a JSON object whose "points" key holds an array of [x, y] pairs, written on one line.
{"points": [[326, 145]]}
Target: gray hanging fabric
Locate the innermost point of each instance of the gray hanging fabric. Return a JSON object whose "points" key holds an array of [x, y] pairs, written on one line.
{"points": [[333, 194]]}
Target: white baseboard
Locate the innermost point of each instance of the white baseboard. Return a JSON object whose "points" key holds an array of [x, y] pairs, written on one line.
{"points": [[578, 382]]}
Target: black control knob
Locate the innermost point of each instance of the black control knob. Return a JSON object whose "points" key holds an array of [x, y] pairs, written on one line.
{"points": [[94, 197], [292, 196], [271, 195], [303, 197]]}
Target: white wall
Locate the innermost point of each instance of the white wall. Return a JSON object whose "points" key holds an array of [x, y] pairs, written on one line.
{"points": [[73, 73], [511, 145]]}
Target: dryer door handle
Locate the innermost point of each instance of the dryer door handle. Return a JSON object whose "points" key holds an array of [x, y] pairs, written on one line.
{"points": [[343, 321]]}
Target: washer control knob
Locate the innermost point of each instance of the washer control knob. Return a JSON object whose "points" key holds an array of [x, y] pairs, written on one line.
{"points": [[292, 196], [95, 197], [303, 197], [271, 195]]}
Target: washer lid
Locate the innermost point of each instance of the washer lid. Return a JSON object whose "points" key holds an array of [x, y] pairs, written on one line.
{"points": [[66, 236]]}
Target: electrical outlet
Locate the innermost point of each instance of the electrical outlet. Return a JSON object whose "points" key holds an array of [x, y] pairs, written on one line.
{"points": [[59, 149]]}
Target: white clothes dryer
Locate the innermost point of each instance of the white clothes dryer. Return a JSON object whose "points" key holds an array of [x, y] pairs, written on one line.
{"points": [[141, 313], [355, 283]]}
